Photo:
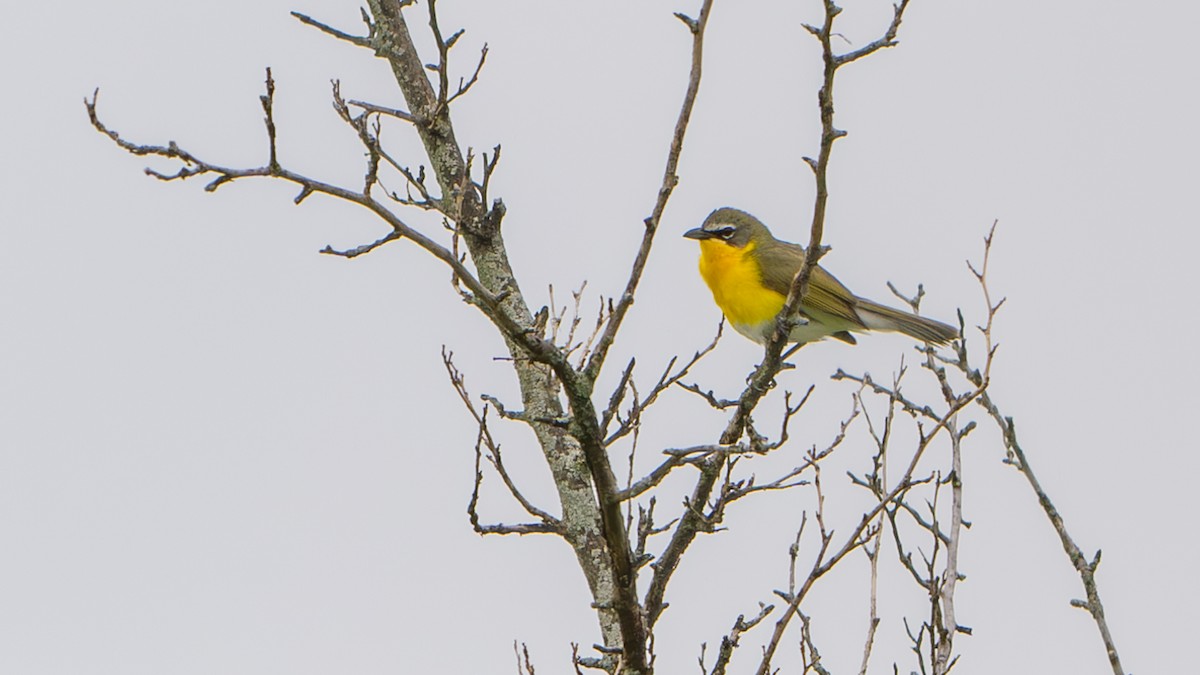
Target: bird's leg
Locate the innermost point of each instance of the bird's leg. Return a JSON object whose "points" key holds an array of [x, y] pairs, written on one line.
{"points": [[795, 348]]}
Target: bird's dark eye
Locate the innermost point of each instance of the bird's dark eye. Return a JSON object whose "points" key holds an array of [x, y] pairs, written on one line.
{"points": [[726, 233]]}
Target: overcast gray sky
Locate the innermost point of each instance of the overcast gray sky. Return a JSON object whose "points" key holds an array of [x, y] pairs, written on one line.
{"points": [[223, 452]]}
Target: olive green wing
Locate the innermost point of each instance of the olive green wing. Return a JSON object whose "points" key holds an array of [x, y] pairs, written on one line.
{"points": [[780, 261]]}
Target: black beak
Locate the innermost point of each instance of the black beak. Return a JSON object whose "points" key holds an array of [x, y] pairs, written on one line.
{"points": [[699, 233]]}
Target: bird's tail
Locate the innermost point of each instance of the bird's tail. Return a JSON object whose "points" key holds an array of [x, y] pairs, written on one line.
{"points": [[882, 317]]}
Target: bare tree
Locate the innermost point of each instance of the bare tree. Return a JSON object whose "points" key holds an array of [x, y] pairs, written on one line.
{"points": [[915, 491]]}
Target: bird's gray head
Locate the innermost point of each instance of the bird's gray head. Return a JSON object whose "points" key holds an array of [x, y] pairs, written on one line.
{"points": [[732, 226]]}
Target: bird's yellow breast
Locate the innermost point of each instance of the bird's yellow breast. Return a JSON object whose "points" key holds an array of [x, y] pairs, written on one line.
{"points": [[735, 279]]}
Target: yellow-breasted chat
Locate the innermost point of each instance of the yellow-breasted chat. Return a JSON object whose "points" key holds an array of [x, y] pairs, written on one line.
{"points": [[749, 272]]}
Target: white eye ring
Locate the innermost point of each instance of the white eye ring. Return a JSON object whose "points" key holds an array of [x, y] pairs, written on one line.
{"points": [[726, 232]]}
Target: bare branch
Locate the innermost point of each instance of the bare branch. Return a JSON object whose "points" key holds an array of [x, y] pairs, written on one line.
{"points": [[488, 168], [731, 641], [443, 66], [732, 492], [360, 250], [873, 619], [578, 661], [789, 411], [614, 401], [949, 578], [645, 530], [665, 381], [675, 459], [811, 657], [763, 377], [494, 290], [485, 438], [888, 39], [525, 668], [670, 179], [1018, 459], [692, 523], [522, 528], [911, 407], [464, 87], [329, 30], [383, 110], [584, 347], [481, 297], [814, 250], [557, 317], [709, 396], [822, 564], [472, 505], [522, 416], [557, 378], [268, 104], [638, 554], [914, 302]]}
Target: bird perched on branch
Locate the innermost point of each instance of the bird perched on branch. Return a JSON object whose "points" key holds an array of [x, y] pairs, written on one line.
{"points": [[750, 272]]}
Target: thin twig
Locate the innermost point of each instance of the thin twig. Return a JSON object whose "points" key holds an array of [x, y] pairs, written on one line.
{"points": [[873, 619], [365, 248], [485, 438], [464, 87], [690, 524], [329, 30], [487, 302], [888, 39], [854, 540], [1018, 458], [443, 65], [669, 180], [525, 668], [665, 381], [1086, 568], [383, 110], [731, 641]]}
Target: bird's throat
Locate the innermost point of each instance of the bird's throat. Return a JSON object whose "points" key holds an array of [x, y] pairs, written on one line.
{"points": [[735, 279]]}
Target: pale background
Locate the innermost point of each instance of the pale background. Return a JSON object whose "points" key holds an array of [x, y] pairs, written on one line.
{"points": [[223, 453]]}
